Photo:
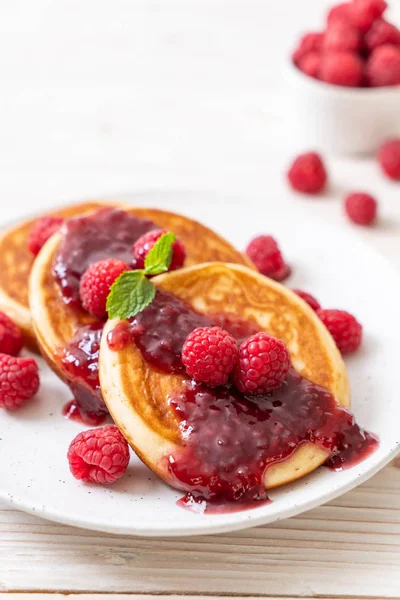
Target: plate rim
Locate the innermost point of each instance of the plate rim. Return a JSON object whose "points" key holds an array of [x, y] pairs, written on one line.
{"points": [[202, 527]]}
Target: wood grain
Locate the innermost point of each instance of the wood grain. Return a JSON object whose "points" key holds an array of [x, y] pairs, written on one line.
{"points": [[348, 548], [112, 596]]}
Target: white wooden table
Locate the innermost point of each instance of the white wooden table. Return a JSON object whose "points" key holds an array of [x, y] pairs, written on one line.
{"points": [[99, 97]]}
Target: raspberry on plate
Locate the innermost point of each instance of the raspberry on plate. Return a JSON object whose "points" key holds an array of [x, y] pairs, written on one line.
{"points": [[10, 336], [365, 12], [263, 365], [342, 37], [41, 231], [99, 455], [209, 355], [96, 283], [19, 381], [361, 208], [381, 33], [307, 174], [147, 241], [311, 301], [310, 42], [344, 328], [383, 66], [310, 63], [342, 68], [264, 251], [389, 158]]}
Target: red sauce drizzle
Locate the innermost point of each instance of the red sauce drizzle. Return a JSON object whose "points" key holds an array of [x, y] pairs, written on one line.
{"points": [[72, 411], [231, 439], [107, 233], [80, 361]]}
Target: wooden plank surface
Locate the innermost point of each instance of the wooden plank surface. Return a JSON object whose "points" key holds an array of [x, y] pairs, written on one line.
{"points": [[56, 596], [348, 548]]}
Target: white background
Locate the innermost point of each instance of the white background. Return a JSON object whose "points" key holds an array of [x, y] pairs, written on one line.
{"points": [[99, 97]]}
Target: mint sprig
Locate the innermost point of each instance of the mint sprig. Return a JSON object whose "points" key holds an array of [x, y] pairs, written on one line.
{"points": [[158, 258], [131, 292]]}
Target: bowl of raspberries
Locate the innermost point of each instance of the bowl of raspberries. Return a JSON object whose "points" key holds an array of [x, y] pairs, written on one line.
{"points": [[345, 79]]}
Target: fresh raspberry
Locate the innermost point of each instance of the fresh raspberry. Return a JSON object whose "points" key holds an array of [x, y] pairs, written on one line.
{"points": [[311, 301], [263, 365], [264, 251], [99, 455], [309, 64], [389, 158], [307, 173], [342, 37], [96, 283], [10, 336], [342, 68], [41, 231], [381, 33], [310, 42], [19, 381], [340, 12], [147, 241], [365, 12], [344, 328], [383, 66], [280, 274], [361, 208], [209, 355]]}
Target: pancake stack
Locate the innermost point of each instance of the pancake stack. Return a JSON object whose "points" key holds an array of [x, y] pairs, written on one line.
{"points": [[217, 282]]}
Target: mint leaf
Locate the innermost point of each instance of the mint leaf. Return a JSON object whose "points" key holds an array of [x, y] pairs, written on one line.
{"points": [[130, 293], [158, 259]]}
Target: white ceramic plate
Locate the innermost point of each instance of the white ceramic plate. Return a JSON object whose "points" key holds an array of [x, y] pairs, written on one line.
{"points": [[340, 271]]}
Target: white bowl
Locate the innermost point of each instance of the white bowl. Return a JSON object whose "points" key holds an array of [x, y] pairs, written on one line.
{"points": [[338, 119]]}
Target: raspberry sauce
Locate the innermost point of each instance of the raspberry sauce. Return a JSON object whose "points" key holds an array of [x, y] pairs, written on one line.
{"points": [[108, 233], [200, 506], [73, 412], [231, 439], [159, 331], [80, 362]]}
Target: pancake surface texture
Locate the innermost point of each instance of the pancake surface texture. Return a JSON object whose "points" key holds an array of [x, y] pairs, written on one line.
{"points": [[137, 394]]}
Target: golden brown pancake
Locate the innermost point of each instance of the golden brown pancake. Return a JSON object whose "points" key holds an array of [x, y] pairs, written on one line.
{"points": [[16, 262], [55, 322], [137, 394]]}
